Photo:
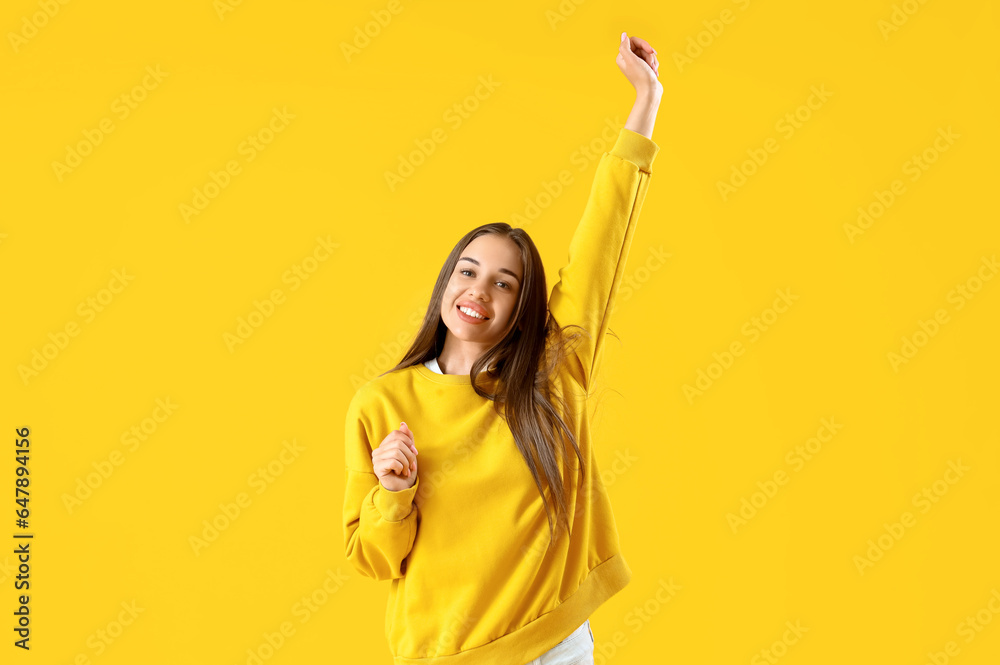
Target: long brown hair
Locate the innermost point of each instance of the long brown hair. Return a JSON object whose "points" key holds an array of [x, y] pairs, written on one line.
{"points": [[523, 363]]}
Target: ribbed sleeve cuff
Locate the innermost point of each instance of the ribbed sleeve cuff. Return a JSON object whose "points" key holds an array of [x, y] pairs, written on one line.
{"points": [[636, 148], [395, 506]]}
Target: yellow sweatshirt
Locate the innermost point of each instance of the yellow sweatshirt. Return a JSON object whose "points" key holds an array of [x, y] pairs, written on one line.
{"points": [[472, 582]]}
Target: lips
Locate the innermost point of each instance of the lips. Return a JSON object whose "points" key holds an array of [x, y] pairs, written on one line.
{"points": [[474, 307]]}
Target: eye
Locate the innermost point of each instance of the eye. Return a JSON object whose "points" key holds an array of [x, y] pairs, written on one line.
{"points": [[468, 270]]}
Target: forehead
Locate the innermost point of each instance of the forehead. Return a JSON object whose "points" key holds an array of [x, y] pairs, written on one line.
{"points": [[492, 252], [490, 243]]}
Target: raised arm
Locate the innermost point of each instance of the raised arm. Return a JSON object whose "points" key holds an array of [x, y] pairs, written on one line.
{"points": [[588, 284], [637, 60]]}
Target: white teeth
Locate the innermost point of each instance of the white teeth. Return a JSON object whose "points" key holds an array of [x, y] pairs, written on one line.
{"points": [[472, 312]]}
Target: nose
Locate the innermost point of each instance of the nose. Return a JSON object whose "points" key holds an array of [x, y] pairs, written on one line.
{"points": [[478, 293]]}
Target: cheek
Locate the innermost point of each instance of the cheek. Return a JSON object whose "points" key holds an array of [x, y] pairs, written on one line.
{"points": [[509, 312], [447, 299]]}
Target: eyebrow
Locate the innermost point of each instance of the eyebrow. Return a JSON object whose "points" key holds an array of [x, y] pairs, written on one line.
{"points": [[503, 270]]}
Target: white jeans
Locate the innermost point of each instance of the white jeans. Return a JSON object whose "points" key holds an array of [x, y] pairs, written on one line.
{"points": [[577, 649]]}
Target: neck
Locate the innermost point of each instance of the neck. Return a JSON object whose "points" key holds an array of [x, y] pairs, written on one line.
{"points": [[458, 356]]}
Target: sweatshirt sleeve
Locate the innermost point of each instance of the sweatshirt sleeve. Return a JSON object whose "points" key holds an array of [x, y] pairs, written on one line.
{"points": [[379, 526], [588, 284]]}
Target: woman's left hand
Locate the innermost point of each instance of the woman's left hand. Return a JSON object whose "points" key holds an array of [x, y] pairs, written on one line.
{"points": [[637, 60]]}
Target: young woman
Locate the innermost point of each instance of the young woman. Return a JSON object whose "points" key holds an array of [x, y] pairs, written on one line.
{"points": [[500, 542]]}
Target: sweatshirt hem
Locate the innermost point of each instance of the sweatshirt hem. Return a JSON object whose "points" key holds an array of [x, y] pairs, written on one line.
{"points": [[532, 640]]}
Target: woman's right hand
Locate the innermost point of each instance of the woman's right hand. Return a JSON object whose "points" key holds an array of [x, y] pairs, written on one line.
{"points": [[395, 460], [637, 60]]}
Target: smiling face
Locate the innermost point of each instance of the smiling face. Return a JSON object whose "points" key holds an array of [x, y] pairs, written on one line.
{"points": [[487, 280]]}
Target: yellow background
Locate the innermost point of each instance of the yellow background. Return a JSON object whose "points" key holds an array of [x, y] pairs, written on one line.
{"points": [[324, 176]]}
